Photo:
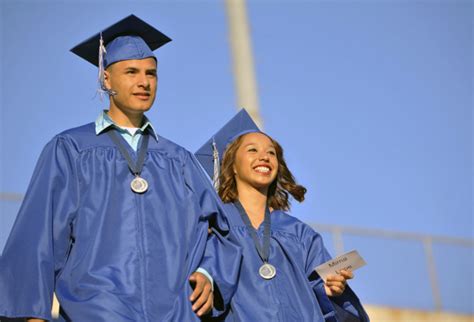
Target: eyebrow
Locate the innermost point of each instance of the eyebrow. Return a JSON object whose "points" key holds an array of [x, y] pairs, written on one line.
{"points": [[253, 143], [137, 69]]}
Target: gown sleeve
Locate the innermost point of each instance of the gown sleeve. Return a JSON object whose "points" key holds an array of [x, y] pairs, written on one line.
{"points": [[222, 257], [40, 240], [343, 308]]}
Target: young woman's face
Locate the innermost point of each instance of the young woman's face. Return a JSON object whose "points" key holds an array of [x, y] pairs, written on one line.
{"points": [[256, 163]]}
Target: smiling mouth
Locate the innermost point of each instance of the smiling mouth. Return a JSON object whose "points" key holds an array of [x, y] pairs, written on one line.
{"points": [[263, 169]]}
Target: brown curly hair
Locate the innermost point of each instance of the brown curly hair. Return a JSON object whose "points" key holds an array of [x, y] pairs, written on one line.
{"points": [[279, 190]]}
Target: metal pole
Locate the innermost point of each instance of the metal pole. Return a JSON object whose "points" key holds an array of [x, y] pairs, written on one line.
{"points": [[338, 241], [427, 243], [242, 58], [11, 196]]}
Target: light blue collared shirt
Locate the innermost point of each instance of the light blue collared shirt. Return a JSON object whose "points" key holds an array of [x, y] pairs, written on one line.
{"points": [[104, 121]]}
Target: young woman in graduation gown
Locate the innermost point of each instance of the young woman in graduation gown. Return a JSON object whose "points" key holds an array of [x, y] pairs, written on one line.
{"points": [[277, 281]]}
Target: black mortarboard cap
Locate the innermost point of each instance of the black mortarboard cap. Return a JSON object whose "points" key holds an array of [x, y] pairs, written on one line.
{"points": [[130, 38]]}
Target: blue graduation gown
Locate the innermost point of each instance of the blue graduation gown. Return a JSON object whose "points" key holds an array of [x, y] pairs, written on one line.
{"points": [[108, 253], [296, 293]]}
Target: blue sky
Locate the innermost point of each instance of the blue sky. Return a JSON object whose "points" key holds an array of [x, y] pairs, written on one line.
{"points": [[371, 100]]}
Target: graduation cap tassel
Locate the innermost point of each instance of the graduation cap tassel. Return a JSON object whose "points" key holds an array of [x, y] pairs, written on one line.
{"points": [[215, 156], [101, 90], [102, 51]]}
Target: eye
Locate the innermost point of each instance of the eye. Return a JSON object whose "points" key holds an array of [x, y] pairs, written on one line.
{"points": [[252, 150], [272, 152], [151, 73]]}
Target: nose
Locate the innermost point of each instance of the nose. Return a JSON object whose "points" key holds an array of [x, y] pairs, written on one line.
{"points": [[144, 81], [264, 156]]}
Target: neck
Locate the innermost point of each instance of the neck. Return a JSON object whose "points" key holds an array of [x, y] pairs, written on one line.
{"points": [[125, 119], [254, 202]]}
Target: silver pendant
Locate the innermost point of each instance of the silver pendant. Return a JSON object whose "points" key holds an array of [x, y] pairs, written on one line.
{"points": [[267, 271], [139, 185]]}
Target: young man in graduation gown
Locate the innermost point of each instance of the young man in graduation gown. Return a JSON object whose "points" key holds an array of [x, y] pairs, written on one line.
{"points": [[115, 219]]}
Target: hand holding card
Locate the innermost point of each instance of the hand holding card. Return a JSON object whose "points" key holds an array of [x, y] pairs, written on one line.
{"points": [[348, 261]]}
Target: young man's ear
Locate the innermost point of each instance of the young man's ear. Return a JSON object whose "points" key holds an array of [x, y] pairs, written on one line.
{"points": [[107, 79]]}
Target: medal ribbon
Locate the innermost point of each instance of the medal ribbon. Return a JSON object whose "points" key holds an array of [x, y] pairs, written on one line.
{"points": [[135, 168], [263, 251]]}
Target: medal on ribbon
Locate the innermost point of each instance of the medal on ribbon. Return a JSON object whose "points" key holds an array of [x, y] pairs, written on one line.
{"points": [[266, 271], [138, 184]]}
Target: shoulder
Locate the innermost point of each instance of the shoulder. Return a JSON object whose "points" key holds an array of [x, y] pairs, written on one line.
{"points": [[80, 138], [284, 219], [71, 139], [292, 225], [233, 215], [229, 207], [162, 142], [169, 148], [78, 131]]}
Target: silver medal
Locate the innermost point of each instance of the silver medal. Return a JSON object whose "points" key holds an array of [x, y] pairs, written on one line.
{"points": [[267, 271], [139, 185]]}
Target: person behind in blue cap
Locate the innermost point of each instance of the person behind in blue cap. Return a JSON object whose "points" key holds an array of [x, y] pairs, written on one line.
{"points": [[115, 219], [277, 281]]}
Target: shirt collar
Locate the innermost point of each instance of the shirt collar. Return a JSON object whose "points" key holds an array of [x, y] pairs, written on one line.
{"points": [[104, 121]]}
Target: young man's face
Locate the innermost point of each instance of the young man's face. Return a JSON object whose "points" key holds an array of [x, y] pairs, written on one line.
{"points": [[134, 82]]}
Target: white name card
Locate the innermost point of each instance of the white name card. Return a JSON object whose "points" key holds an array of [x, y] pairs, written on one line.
{"points": [[348, 261]]}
